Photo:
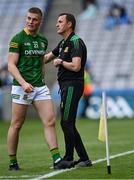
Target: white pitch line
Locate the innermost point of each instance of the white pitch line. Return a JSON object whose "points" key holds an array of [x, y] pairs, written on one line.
{"points": [[94, 162], [18, 177], [65, 170]]}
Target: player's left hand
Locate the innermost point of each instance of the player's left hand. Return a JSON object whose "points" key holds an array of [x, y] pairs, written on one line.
{"points": [[57, 62]]}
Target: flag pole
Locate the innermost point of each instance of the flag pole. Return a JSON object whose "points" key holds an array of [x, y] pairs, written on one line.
{"points": [[106, 132]]}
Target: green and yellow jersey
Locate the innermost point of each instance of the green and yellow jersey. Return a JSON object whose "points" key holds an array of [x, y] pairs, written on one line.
{"points": [[31, 51]]}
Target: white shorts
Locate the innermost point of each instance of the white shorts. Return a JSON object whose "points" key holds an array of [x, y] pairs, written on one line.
{"points": [[21, 97]]}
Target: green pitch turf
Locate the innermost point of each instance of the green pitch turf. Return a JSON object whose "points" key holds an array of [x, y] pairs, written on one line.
{"points": [[35, 159]]}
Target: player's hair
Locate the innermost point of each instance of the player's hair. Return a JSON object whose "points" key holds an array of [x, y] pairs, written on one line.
{"points": [[35, 10], [69, 18]]}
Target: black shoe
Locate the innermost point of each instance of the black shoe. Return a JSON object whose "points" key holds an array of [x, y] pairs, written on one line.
{"points": [[81, 163], [62, 164], [14, 166]]}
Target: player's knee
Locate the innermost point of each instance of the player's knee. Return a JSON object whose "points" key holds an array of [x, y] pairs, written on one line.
{"points": [[50, 121], [16, 125]]}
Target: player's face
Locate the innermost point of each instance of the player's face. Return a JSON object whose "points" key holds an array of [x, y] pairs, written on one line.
{"points": [[33, 22], [62, 25]]}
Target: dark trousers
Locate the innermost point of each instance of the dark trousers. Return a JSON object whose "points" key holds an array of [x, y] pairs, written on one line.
{"points": [[71, 92]]}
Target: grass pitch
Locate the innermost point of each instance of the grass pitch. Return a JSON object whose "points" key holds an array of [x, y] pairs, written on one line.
{"points": [[35, 159]]}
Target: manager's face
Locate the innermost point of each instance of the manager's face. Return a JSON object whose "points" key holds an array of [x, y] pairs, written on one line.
{"points": [[62, 25]]}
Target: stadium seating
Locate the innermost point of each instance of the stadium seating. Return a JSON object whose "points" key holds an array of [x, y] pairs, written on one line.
{"points": [[111, 52]]}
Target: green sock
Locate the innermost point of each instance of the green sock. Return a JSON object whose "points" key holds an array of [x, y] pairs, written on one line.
{"points": [[55, 154], [13, 158]]}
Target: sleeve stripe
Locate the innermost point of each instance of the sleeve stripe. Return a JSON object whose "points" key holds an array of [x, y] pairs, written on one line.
{"points": [[13, 45]]}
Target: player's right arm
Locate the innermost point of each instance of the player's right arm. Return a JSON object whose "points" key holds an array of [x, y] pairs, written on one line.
{"points": [[12, 68], [13, 58]]}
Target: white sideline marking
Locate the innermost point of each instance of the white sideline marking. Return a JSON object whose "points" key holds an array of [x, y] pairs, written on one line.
{"points": [[61, 171], [94, 162]]}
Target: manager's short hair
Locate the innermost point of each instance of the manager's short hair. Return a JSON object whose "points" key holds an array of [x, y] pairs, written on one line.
{"points": [[69, 18]]}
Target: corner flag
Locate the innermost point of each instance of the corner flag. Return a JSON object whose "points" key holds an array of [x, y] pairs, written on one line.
{"points": [[101, 134], [103, 131]]}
